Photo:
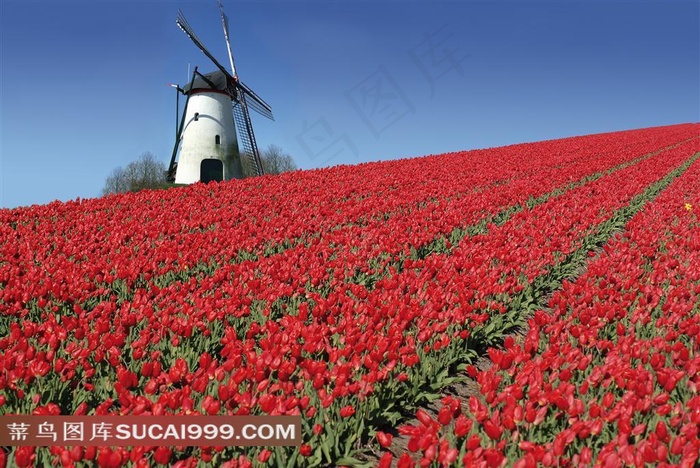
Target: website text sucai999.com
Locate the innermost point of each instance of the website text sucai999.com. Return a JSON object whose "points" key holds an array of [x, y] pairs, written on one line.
{"points": [[205, 432], [150, 430]]}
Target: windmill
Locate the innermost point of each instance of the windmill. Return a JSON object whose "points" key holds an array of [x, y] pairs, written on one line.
{"points": [[215, 111]]}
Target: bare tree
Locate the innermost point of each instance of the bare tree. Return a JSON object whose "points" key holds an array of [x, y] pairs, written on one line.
{"points": [[116, 182], [274, 161], [144, 173]]}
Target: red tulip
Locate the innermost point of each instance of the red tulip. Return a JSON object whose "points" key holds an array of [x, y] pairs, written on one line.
{"points": [[24, 456], [405, 461], [384, 439], [305, 450], [264, 455], [162, 455], [347, 411], [661, 431], [385, 460], [492, 430]]}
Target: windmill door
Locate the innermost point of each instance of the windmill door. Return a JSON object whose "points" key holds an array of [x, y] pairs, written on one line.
{"points": [[211, 169]]}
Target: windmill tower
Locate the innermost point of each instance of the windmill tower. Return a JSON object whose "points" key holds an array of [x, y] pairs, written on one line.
{"points": [[215, 119]]}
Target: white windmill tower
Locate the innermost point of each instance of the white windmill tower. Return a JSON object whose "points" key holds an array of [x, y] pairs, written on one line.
{"points": [[206, 134]]}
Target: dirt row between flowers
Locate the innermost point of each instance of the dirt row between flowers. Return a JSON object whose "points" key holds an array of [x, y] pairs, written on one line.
{"points": [[466, 386]]}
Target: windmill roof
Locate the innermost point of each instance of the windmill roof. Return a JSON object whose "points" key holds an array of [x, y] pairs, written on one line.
{"points": [[217, 77]]}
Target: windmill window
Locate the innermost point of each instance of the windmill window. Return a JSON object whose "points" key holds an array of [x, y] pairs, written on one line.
{"points": [[217, 139], [196, 116]]}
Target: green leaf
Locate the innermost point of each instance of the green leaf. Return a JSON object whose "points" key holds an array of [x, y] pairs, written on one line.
{"points": [[349, 461]]}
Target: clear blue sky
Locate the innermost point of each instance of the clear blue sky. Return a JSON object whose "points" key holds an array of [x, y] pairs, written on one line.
{"points": [[84, 83]]}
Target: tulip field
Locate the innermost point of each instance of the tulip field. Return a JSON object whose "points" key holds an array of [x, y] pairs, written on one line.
{"points": [[355, 296]]}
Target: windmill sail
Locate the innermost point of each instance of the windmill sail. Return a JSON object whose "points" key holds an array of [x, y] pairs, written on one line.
{"points": [[187, 29], [248, 147], [255, 102], [224, 23]]}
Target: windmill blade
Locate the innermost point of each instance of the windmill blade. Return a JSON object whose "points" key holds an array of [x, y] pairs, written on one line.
{"points": [[224, 23], [261, 110], [224, 18], [258, 108], [255, 102], [248, 147], [187, 29]]}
